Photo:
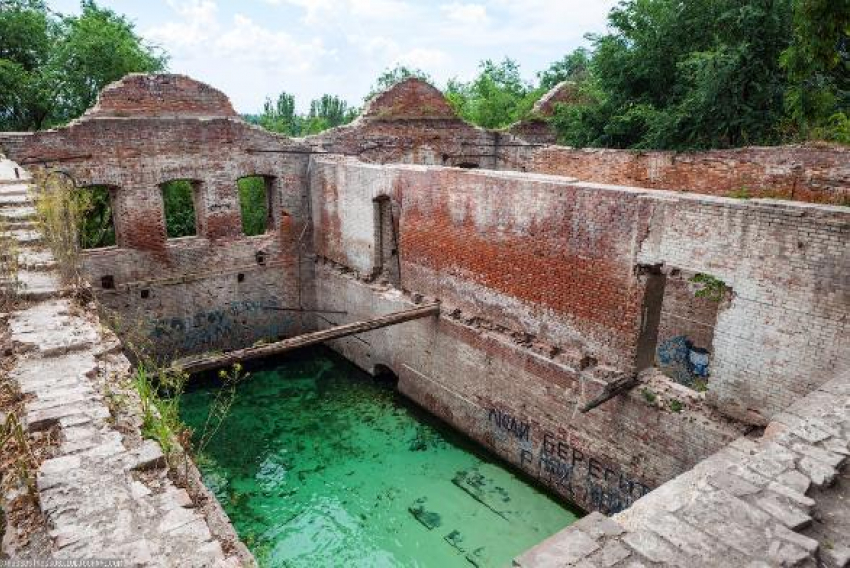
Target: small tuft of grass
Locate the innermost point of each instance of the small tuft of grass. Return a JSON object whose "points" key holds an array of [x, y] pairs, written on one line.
{"points": [[648, 395], [676, 405]]}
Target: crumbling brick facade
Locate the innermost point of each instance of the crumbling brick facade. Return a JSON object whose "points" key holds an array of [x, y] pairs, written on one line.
{"points": [[550, 288]]}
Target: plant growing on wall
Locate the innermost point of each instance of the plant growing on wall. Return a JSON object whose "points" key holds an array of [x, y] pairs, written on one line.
{"points": [[60, 217], [709, 287]]}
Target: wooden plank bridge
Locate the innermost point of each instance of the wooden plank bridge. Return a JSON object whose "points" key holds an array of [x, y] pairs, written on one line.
{"points": [[214, 361]]}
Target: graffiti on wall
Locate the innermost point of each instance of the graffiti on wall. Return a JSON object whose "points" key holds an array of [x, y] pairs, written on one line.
{"points": [[583, 479], [233, 323], [680, 360]]}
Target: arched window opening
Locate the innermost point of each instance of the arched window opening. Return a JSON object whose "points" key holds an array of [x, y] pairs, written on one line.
{"points": [[386, 257], [255, 204], [385, 376], [179, 197], [96, 221]]}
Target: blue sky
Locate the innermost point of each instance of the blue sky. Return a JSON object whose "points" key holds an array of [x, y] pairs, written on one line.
{"points": [[252, 49]]}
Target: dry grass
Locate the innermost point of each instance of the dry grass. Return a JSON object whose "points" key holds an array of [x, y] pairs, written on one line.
{"points": [[21, 454]]}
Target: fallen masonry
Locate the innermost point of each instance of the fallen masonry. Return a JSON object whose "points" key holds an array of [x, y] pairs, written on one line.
{"points": [[613, 324]]}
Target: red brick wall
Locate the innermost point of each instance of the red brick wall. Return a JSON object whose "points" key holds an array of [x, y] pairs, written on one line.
{"points": [[160, 95], [195, 298], [787, 172], [513, 251]]}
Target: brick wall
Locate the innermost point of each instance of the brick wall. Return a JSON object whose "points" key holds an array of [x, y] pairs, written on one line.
{"points": [[210, 291], [522, 405], [557, 263], [544, 280], [800, 173]]}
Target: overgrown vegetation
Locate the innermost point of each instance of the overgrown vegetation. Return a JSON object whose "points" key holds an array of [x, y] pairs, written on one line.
{"points": [[669, 74], [8, 267], [160, 390], [53, 66], [715, 74], [254, 204], [60, 216], [326, 112], [709, 287], [179, 203]]}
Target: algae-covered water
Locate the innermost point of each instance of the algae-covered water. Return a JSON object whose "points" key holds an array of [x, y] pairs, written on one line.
{"points": [[317, 464]]}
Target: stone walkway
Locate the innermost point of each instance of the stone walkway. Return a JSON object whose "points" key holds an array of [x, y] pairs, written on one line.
{"points": [[104, 494], [771, 502]]}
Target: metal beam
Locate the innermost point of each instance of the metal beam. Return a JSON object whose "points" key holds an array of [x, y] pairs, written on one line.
{"points": [[206, 362]]}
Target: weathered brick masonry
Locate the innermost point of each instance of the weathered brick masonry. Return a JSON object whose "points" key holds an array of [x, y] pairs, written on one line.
{"points": [[551, 288], [544, 279], [196, 293], [800, 173]]}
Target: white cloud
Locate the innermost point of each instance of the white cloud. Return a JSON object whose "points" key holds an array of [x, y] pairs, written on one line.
{"points": [[198, 31], [252, 49], [424, 58], [465, 13]]}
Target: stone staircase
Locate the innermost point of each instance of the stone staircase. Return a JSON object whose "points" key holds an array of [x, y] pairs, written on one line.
{"points": [[783, 500], [105, 493], [36, 279]]}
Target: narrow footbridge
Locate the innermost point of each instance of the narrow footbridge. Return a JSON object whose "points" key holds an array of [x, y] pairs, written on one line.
{"points": [[206, 362]]}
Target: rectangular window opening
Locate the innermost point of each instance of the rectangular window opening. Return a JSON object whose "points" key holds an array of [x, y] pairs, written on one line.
{"points": [[179, 201], [255, 204], [96, 224]]}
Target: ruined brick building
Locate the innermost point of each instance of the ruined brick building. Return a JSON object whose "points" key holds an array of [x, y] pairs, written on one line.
{"points": [[559, 271]]}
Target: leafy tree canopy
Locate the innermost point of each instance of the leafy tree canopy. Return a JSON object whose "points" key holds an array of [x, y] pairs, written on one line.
{"points": [[497, 97], [326, 112], [714, 73], [391, 77], [52, 67]]}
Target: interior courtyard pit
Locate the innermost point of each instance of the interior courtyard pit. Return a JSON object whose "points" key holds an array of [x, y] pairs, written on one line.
{"points": [[602, 336]]}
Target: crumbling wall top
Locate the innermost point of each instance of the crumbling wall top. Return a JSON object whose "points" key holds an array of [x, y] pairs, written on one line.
{"points": [[565, 92], [160, 95], [411, 98]]}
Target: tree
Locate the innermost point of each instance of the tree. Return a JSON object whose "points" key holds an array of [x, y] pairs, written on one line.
{"points": [[685, 74], [497, 97], [26, 38], [280, 116], [818, 66], [327, 112], [575, 67], [391, 77], [52, 67]]}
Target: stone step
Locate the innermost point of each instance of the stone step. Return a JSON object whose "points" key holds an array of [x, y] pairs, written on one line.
{"points": [[34, 285], [14, 200], [10, 172], [34, 259], [14, 189], [18, 225], [13, 214], [24, 237]]}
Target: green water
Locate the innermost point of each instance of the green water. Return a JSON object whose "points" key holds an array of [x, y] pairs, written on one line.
{"points": [[319, 465]]}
